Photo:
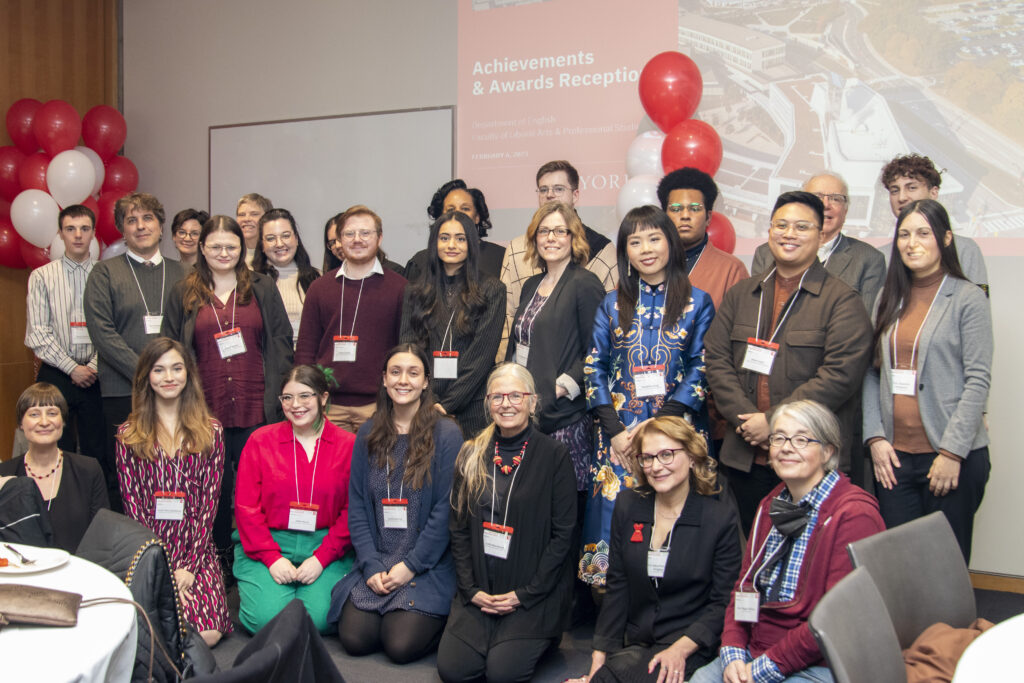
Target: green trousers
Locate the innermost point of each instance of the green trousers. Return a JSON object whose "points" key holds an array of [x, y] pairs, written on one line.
{"points": [[261, 598]]}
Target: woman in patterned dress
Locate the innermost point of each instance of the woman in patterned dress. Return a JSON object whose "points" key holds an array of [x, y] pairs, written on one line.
{"points": [[170, 457], [654, 368], [397, 597]]}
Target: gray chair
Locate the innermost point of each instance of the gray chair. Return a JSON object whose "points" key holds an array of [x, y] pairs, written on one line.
{"points": [[921, 575], [855, 635]]}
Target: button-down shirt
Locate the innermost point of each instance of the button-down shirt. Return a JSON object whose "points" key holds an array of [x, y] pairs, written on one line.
{"points": [[54, 302], [377, 269]]}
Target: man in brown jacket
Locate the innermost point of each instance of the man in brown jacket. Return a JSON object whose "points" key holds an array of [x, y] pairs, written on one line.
{"points": [[795, 332]]}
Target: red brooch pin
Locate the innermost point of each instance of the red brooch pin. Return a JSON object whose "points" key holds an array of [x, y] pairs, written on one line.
{"points": [[638, 534]]}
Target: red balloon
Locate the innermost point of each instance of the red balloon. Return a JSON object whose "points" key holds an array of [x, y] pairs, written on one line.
{"points": [[5, 208], [104, 130], [692, 143], [10, 245], [670, 89], [721, 233], [32, 172], [19, 124], [57, 127], [92, 205], [106, 231], [11, 159], [121, 176], [34, 256]]}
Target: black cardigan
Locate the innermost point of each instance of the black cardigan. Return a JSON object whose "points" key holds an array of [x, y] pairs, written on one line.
{"points": [[540, 560], [690, 600], [278, 353], [560, 341]]}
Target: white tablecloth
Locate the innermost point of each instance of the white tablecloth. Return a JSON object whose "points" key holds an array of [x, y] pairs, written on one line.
{"points": [[991, 657], [101, 647]]}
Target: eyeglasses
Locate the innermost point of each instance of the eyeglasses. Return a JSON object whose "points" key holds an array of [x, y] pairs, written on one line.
{"points": [[514, 397], [694, 207], [557, 232], [833, 198], [272, 239], [304, 397], [801, 228], [553, 189], [221, 248], [665, 457], [350, 235], [799, 441], [185, 234], [332, 242]]}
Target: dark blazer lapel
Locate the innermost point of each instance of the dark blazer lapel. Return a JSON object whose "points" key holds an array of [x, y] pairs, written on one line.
{"points": [[841, 258]]}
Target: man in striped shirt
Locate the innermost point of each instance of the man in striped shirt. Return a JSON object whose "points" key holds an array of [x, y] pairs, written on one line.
{"points": [[56, 332]]}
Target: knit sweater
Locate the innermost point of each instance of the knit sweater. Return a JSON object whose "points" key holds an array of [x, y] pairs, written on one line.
{"points": [[377, 324]]}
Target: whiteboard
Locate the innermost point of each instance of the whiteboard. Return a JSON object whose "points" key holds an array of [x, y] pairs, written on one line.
{"points": [[391, 161]]}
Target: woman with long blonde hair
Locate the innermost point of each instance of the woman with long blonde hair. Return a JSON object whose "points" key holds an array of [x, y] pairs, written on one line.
{"points": [[170, 461]]}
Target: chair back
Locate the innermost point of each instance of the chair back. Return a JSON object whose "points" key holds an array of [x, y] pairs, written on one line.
{"points": [[854, 633], [921, 575]]}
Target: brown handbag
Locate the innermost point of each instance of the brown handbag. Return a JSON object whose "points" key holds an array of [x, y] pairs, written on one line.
{"points": [[20, 604]]}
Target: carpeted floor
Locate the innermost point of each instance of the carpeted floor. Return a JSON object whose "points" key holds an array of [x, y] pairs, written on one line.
{"points": [[571, 659]]}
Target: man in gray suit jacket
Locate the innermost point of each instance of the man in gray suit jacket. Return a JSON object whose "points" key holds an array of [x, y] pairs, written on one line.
{"points": [[856, 263], [125, 299]]}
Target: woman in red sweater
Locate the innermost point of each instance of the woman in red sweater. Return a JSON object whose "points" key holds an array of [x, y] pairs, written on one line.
{"points": [[796, 552]]}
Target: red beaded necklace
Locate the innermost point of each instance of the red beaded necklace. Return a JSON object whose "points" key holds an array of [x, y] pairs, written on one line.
{"points": [[28, 470], [516, 459]]}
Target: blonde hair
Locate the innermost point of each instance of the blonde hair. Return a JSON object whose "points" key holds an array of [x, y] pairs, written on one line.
{"points": [[579, 246], [705, 477], [472, 476]]}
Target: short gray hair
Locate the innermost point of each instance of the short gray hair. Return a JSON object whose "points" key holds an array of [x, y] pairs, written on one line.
{"points": [[830, 174], [816, 419]]}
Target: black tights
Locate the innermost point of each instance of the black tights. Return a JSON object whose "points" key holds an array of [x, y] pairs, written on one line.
{"points": [[403, 636]]}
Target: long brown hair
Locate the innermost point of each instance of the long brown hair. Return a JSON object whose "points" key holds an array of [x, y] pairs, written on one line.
{"points": [[383, 436], [199, 283], [705, 479], [142, 428]]}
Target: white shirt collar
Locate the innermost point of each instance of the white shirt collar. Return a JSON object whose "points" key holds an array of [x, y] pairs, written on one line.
{"points": [[156, 259], [825, 250], [86, 265], [377, 269]]}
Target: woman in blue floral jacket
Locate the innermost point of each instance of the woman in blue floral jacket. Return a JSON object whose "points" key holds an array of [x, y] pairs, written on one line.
{"points": [[647, 359]]}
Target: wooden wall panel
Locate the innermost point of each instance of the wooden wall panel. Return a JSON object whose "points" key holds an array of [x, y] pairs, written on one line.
{"points": [[49, 50]]}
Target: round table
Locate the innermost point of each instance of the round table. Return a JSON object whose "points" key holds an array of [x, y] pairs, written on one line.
{"points": [[990, 656], [101, 647]]}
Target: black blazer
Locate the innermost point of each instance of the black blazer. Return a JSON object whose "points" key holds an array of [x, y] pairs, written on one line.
{"points": [[690, 600], [560, 341], [278, 352], [539, 568]]}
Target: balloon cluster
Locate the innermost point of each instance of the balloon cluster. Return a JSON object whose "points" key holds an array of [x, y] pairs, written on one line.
{"points": [[670, 90], [43, 172]]}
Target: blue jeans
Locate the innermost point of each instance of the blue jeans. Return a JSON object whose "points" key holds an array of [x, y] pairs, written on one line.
{"points": [[713, 672]]}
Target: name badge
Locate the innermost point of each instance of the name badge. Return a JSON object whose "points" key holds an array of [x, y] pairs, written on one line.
{"points": [[170, 505], [904, 382], [396, 515], [302, 516], [230, 342], [650, 380], [80, 334], [497, 539], [656, 561], [746, 606], [760, 356], [446, 364], [152, 323], [522, 354], [345, 349]]}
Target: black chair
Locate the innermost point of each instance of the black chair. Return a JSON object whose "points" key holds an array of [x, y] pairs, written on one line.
{"points": [[855, 635], [288, 649], [921, 575], [135, 555]]}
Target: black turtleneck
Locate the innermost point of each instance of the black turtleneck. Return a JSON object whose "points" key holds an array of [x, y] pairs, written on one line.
{"points": [[693, 254]]}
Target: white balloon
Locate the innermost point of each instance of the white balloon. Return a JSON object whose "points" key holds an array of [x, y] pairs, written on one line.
{"points": [[97, 166], [70, 177], [638, 191], [644, 154], [34, 215], [57, 248], [114, 249]]}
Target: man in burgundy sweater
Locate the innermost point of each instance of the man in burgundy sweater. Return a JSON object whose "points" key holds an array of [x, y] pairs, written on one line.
{"points": [[351, 318]]}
